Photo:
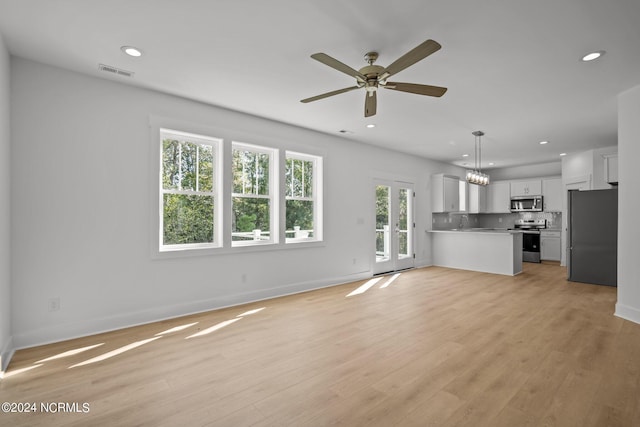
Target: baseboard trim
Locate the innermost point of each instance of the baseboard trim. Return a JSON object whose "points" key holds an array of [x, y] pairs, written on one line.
{"points": [[6, 353], [628, 313], [72, 330], [422, 262]]}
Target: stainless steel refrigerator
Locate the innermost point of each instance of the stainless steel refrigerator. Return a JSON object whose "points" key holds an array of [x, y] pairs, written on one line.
{"points": [[593, 237]]}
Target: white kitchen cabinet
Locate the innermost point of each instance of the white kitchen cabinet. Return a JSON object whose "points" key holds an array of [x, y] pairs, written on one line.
{"points": [[526, 188], [477, 198], [552, 194], [445, 193], [498, 197], [550, 248], [497, 252], [611, 168]]}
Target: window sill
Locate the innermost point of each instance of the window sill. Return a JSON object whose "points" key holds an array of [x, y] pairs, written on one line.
{"points": [[235, 250]]}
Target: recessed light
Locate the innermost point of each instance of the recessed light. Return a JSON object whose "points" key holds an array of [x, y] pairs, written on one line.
{"points": [[593, 55], [371, 125], [544, 142], [131, 51], [465, 155], [563, 154], [491, 164]]}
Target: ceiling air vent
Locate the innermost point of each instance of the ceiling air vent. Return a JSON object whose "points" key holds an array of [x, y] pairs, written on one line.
{"points": [[114, 70]]}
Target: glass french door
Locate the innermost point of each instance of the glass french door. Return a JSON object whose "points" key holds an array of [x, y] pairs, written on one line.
{"points": [[394, 226]]}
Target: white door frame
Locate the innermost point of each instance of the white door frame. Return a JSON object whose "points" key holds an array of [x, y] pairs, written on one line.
{"points": [[393, 261]]}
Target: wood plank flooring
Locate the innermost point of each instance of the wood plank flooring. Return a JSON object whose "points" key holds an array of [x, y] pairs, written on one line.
{"points": [[435, 347]]}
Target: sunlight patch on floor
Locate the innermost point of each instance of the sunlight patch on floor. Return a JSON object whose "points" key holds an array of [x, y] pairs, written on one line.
{"points": [[391, 279], [69, 353], [213, 328], [19, 371], [176, 329], [129, 346], [250, 312], [365, 287], [114, 352]]}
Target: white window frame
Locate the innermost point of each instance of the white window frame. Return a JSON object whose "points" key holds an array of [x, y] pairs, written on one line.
{"points": [[316, 198], [273, 196], [216, 146]]}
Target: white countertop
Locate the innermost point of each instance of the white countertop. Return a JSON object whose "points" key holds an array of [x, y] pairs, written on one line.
{"points": [[477, 230]]}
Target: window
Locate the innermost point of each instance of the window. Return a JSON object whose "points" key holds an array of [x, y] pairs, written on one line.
{"points": [[302, 201], [253, 194], [216, 195], [189, 208]]}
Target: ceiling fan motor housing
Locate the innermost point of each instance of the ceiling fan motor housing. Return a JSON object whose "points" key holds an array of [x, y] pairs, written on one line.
{"points": [[371, 72]]}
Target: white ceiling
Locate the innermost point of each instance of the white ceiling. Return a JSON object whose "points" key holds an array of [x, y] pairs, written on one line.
{"points": [[512, 66]]}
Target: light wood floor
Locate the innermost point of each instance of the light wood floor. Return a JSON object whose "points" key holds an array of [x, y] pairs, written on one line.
{"points": [[436, 347]]}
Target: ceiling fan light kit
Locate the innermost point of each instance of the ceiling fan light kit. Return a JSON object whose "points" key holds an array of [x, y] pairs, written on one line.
{"points": [[372, 77]]}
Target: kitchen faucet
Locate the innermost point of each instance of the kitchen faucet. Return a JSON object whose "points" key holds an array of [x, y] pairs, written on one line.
{"points": [[462, 217]]}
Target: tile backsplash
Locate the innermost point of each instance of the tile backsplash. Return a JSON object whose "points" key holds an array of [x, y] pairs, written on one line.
{"points": [[445, 221]]}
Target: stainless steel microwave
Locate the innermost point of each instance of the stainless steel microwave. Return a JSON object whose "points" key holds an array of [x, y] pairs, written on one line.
{"points": [[526, 204]]}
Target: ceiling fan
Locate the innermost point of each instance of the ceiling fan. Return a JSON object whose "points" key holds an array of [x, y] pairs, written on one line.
{"points": [[372, 77]]}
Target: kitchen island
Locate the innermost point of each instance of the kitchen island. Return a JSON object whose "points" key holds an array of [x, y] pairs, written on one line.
{"points": [[495, 251]]}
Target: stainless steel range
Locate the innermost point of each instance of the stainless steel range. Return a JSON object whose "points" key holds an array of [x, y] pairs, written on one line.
{"points": [[530, 237]]}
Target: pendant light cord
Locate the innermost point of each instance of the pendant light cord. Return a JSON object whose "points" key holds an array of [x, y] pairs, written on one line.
{"points": [[478, 150]]}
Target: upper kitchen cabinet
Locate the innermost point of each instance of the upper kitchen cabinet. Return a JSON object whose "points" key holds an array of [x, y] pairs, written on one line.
{"points": [[552, 194], [445, 193], [498, 197], [598, 167], [526, 188], [477, 198]]}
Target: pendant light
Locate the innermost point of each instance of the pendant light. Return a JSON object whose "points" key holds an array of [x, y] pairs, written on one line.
{"points": [[476, 176]]}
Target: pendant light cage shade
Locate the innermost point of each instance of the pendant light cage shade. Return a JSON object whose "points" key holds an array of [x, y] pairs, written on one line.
{"points": [[476, 176]]}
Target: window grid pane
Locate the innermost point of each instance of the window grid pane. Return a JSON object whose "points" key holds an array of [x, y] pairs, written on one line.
{"points": [[250, 172], [300, 204], [188, 199], [187, 219], [251, 195]]}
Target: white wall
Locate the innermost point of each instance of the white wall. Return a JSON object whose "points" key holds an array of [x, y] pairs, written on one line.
{"points": [[628, 305], [526, 171], [81, 205], [5, 210]]}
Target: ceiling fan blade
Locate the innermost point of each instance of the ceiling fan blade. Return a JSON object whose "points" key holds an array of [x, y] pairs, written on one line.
{"points": [[414, 55], [328, 94], [370, 104], [416, 88], [335, 64]]}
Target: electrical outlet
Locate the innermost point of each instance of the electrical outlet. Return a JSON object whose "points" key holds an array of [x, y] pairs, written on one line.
{"points": [[244, 277], [54, 304]]}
